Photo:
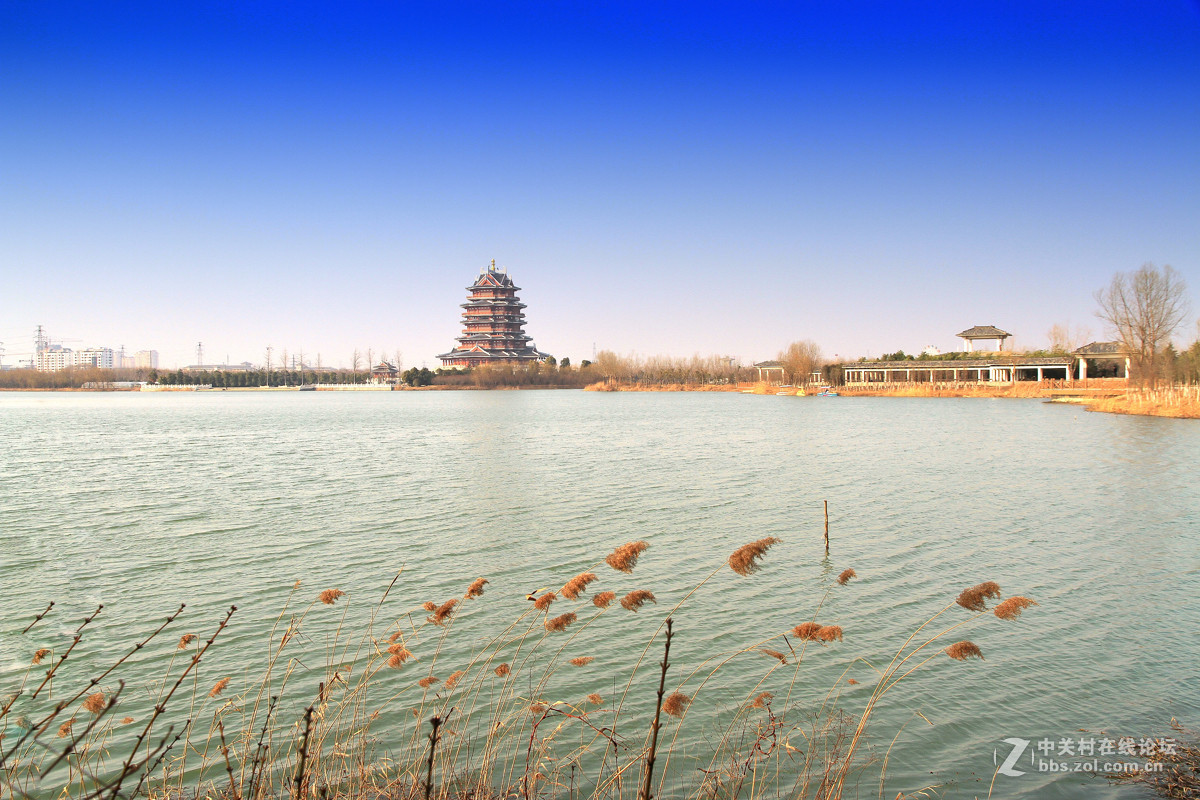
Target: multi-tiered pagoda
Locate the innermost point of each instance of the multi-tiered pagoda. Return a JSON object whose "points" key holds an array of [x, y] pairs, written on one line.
{"points": [[493, 324]]}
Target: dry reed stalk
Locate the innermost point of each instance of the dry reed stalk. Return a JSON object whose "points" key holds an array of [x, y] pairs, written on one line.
{"points": [[185, 640], [744, 560], [219, 687], [560, 623], [846, 575], [963, 650], [1012, 607], [636, 599], [95, 703], [330, 596], [604, 599], [40, 655], [443, 612], [476, 588], [775, 654], [625, 557], [577, 585], [974, 598], [37, 619], [581, 661], [543, 602], [657, 724]]}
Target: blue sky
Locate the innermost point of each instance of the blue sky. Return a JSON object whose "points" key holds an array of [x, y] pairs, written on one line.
{"points": [[658, 177]]}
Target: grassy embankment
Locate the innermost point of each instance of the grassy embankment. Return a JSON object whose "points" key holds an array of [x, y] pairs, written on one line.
{"points": [[401, 699]]}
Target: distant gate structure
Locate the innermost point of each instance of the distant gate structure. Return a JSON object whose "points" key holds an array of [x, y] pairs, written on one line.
{"points": [[493, 324]]}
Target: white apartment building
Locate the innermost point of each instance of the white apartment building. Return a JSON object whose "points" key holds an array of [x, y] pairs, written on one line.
{"points": [[55, 357], [145, 359]]}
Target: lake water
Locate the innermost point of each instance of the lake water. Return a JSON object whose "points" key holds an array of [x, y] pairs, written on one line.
{"points": [[145, 501]]}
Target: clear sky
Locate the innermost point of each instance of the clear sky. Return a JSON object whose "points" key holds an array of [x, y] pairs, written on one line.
{"points": [[659, 177]]}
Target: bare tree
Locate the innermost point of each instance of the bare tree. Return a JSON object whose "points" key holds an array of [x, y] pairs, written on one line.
{"points": [[355, 361], [800, 360], [370, 358], [1065, 340], [1144, 309], [399, 360]]}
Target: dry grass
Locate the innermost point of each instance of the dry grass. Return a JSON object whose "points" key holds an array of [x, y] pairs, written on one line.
{"points": [[1180, 402], [744, 560], [636, 599], [625, 557], [330, 596], [577, 585], [975, 598], [314, 717]]}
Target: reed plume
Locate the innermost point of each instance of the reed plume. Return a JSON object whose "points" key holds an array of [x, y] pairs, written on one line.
{"points": [[974, 599], [852, 682], [502, 670], [806, 631], [443, 612], [625, 557], [538, 708], [595, 699], [828, 633], [576, 585], [452, 681], [763, 700], [186, 639], [581, 661], [330, 596], [401, 652], [40, 655], [676, 703], [604, 599], [560, 623], [64, 730], [394, 636], [775, 654], [95, 703], [961, 651], [476, 588], [846, 575], [429, 605], [127, 720], [744, 560], [543, 602], [219, 687], [395, 661], [636, 599], [1012, 607], [425, 683]]}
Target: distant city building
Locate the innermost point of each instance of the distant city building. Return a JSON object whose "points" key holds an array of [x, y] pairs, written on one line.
{"points": [[493, 324], [101, 357], [54, 357], [145, 359]]}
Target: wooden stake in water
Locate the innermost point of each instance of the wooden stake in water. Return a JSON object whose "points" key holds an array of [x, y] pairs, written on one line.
{"points": [[826, 527]]}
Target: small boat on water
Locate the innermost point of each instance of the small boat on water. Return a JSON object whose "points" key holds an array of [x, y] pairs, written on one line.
{"points": [[827, 391], [307, 387]]}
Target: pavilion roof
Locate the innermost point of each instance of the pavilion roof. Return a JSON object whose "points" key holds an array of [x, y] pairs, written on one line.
{"points": [[765, 364], [983, 332], [1101, 349]]}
